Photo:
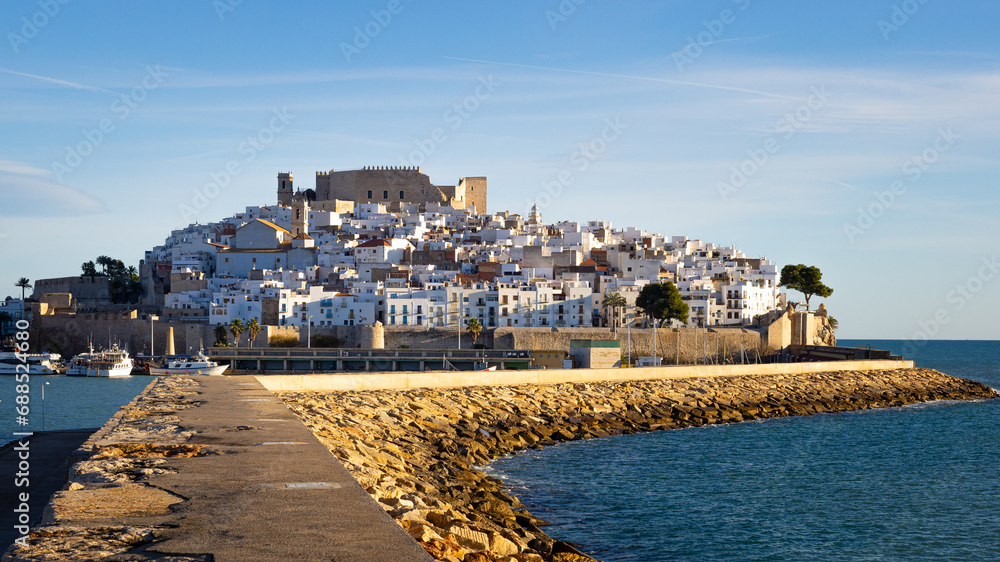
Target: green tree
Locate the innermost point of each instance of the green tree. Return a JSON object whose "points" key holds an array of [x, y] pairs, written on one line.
{"points": [[474, 327], [614, 302], [253, 328], [236, 328], [833, 323], [662, 301], [221, 336], [23, 283], [89, 269], [806, 279], [105, 263]]}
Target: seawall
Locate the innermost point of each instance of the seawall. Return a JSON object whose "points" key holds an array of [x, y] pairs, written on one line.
{"points": [[415, 449], [401, 380]]}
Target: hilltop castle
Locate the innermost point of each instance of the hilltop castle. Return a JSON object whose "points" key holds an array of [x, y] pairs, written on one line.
{"points": [[386, 184]]}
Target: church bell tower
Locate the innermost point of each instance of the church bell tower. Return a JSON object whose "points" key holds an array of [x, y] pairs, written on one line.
{"points": [[284, 188]]}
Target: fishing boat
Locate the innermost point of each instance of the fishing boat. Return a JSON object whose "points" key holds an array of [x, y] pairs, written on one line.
{"points": [[37, 363], [196, 365], [114, 362], [79, 364]]}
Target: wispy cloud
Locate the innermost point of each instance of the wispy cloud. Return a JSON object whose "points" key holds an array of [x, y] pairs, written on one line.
{"points": [[25, 192], [67, 83], [738, 39], [630, 77]]}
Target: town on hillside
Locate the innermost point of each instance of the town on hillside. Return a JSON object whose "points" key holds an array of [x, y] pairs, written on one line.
{"points": [[383, 246]]}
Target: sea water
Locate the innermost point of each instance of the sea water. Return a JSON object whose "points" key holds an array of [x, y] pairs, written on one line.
{"points": [[68, 403], [920, 482]]}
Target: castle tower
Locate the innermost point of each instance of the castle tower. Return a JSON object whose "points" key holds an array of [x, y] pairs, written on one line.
{"points": [[284, 188], [300, 213]]}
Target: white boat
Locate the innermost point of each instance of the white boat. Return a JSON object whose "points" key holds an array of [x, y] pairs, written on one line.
{"points": [[112, 363], [196, 365], [78, 365], [12, 363]]}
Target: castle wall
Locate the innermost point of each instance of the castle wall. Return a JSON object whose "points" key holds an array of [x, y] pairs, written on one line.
{"points": [[87, 291], [397, 185], [475, 192]]}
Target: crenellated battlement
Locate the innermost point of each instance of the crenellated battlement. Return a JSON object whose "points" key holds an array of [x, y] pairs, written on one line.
{"points": [[396, 185]]}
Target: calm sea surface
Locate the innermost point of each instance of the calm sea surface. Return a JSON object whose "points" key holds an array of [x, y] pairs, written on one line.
{"points": [[70, 402], [914, 483]]}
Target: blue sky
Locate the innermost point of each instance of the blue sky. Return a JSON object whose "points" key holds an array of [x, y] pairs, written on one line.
{"points": [[866, 131]]}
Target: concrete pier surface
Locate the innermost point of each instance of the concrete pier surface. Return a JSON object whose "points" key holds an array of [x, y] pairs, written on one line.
{"points": [[49, 458], [243, 480]]}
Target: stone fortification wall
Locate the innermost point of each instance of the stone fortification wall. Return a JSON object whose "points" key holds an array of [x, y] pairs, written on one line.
{"points": [[437, 338], [692, 343], [354, 185], [475, 192], [706, 343], [415, 451], [86, 291], [71, 334]]}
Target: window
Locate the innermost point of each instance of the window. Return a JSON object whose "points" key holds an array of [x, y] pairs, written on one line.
{"points": [[385, 194], [369, 194], [401, 195]]}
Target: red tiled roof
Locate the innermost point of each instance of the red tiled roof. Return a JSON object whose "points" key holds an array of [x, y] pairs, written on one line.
{"points": [[375, 243]]}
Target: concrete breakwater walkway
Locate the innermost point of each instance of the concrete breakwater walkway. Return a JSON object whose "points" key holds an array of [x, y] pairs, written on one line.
{"points": [[211, 468], [415, 451]]}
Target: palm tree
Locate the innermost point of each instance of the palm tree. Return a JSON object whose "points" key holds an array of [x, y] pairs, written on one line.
{"points": [[236, 327], [89, 269], [614, 301], [220, 336], [253, 328], [474, 328], [23, 283], [833, 323], [105, 262]]}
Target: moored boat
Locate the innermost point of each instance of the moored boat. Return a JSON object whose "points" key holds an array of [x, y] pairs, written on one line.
{"points": [[196, 365], [112, 363], [79, 364], [36, 363]]}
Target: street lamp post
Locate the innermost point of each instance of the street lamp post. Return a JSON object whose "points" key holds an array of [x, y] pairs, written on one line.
{"points": [[43, 405]]}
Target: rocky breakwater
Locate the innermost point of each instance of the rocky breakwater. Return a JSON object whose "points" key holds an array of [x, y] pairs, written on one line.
{"points": [[416, 451]]}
